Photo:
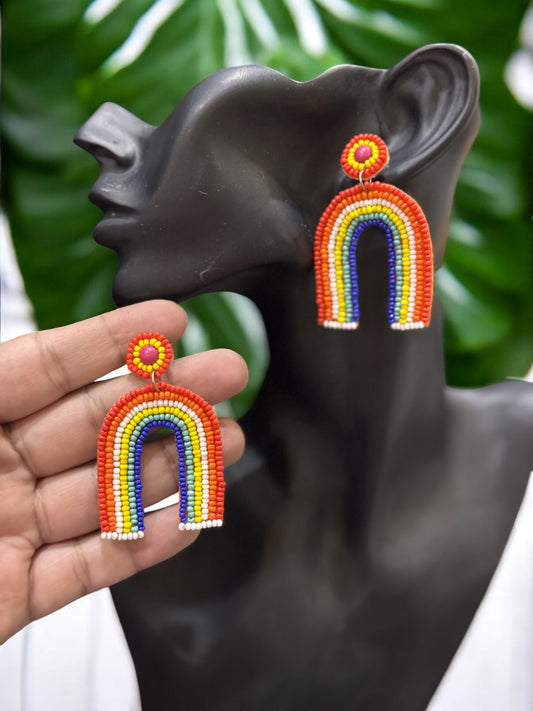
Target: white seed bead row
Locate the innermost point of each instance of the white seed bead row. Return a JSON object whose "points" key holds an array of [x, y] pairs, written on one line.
{"points": [[413, 273], [114, 536], [213, 523], [408, 326], [343, 325], [177, 407], [352, 208]]}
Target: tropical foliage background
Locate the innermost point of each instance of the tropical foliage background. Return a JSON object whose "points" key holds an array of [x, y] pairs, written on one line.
{"points": [[63, 58]]}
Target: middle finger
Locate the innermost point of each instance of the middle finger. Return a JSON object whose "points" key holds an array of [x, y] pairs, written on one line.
{"points": [[67, 504], [63, 435]]}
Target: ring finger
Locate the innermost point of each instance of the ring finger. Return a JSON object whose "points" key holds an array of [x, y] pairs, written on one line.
{"points": [[66, 504]]}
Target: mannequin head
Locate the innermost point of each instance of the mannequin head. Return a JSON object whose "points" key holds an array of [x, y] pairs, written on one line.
{"points": [[230, 187]]}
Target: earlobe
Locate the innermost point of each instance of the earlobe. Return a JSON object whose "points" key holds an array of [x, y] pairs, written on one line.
{"points": [[425, 102]]}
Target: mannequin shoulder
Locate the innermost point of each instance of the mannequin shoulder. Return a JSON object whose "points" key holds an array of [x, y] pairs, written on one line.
{"points": [[511, 399], [499, 414]]}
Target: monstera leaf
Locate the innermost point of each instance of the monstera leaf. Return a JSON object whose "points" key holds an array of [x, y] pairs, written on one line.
{"points": [[63, 58]]}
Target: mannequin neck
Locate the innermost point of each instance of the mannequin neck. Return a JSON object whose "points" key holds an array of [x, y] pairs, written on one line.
{"points": [[375, 378]]}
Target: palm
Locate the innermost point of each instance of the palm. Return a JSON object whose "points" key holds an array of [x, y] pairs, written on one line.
{"points": [[50, 550], [19, 535]]}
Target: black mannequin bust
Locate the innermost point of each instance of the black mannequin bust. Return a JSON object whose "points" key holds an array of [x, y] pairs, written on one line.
{"points": [[372, 505]]}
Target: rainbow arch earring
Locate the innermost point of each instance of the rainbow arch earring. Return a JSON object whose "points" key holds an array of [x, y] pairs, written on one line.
{"points": [[196, 429], [410, 254]]}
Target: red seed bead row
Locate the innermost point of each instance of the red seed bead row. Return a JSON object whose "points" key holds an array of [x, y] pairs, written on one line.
{"points": [[423, 253], [107, 436], [127, 403], [105, 462], [423, 257]]}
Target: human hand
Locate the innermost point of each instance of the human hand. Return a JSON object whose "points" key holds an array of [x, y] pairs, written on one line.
{"points": [[51, 412]]}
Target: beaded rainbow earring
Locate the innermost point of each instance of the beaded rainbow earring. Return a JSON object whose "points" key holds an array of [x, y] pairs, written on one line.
{"points": [[126, 426], [408, 239]]}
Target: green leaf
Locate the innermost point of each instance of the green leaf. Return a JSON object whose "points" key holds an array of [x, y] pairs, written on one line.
{"points": [[61, 60]]}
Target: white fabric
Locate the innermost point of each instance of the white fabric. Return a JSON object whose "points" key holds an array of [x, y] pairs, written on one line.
{"points": [[77, 658], [492, 669], [16, 315]]}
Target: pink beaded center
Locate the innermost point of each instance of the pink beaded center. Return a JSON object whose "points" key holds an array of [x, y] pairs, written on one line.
{"points": [[148, 355], [362, 153]]}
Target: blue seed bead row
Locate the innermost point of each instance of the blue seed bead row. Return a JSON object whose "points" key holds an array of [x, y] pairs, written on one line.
{"points": [[349, 262], [181, 433]]}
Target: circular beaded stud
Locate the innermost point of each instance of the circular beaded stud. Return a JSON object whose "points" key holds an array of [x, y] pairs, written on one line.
{"points": [[149, 353], [372, 203], [365, 154]]}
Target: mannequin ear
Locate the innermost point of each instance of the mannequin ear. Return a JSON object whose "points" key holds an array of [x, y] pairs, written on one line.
{"points": [[425, 101]]}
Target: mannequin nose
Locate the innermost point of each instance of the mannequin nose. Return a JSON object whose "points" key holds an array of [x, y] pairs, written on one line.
{"points": [[112, 134]]}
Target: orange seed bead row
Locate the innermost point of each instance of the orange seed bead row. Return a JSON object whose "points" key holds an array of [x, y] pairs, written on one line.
{"points": [[106, 494]]}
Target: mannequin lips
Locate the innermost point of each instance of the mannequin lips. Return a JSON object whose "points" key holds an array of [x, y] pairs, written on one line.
{"points": [[116, 215], [113, 230], [109, 232], [108, 201]]}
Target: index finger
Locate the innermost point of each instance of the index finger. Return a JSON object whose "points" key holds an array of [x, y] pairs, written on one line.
{"points": [[38, 369]]}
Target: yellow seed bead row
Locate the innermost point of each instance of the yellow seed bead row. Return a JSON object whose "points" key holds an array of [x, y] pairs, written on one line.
{"points": [[197, 465], [406, 262], [369, 161], [406, 258], [406, 270], [125, 468], [148, 342], [339, 242], [124, 464]]}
